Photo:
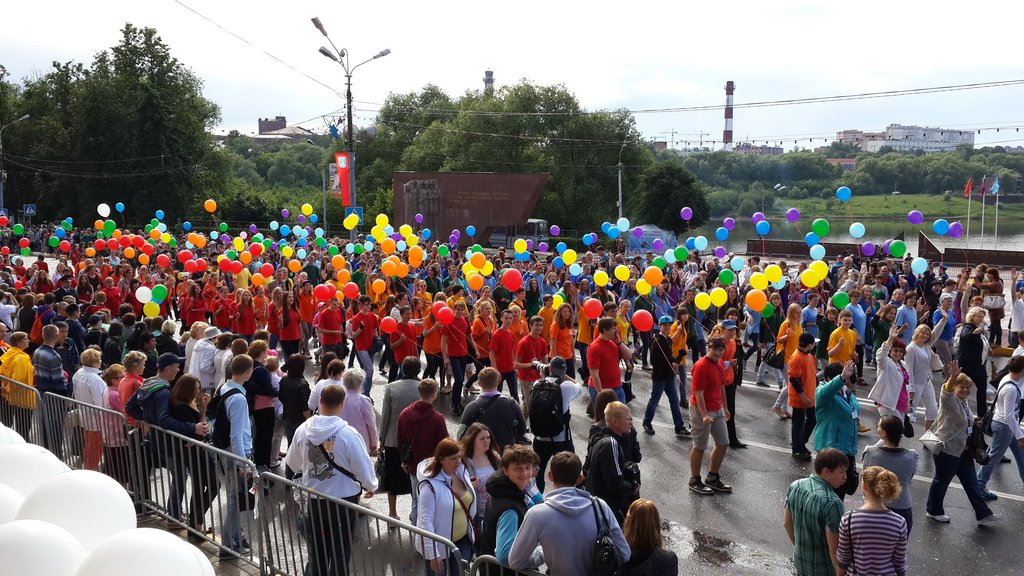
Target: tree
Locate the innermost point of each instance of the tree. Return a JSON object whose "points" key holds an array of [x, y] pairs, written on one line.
{"points": [[663, 190]]}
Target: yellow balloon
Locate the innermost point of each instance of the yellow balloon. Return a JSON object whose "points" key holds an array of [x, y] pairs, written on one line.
{"points": [[239, 244], [643, 287], [702, 300], [488, 268], [622, 272], [820, 268], [307, 209], [773, 272], [519, 245], [351, 221], [809, 278], [405, 230], [382, 220], [151, 309], [569, 257], [287, 251], [411, 240], [468, 269], [557, 301], [165, 237], [759, 281], [601, 278], [719, 297]]}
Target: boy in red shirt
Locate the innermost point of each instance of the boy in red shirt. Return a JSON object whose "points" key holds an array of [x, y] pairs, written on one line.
{"points": [[502, 354], [403, 341], [364, 327], [603, 361], [531, 347], [332, 339], [708, 415]]}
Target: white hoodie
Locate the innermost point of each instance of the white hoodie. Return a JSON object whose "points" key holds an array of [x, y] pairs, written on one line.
{"points": [[345, 446]]}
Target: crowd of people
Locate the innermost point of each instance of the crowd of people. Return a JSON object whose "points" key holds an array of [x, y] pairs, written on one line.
{"points": [[223, 355]]}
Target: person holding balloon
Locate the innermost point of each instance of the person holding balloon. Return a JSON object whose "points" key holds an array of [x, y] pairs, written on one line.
{"points": [[772, 321], [787, 342]]}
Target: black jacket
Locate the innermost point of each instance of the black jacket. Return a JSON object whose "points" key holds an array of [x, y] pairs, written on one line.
{"points": [[504, 496], [609, 475]]}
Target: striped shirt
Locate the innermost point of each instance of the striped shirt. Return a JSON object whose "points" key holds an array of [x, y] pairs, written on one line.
{"points": [[814, 506], [873, 542]]}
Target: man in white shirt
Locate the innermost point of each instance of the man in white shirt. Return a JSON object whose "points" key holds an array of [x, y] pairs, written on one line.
{"points": [[1016, 313], [1006, 431], [201, 364]]}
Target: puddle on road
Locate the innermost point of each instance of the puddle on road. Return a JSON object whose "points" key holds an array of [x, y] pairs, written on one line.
{"points": [[707, 549]]}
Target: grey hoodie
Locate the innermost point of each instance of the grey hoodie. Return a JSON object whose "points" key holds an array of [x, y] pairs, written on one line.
{"points": [[345, 446], [566, 530]]}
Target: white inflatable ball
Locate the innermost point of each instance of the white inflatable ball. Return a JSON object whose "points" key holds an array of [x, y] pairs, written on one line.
{"points": [[33, 547], [145, 551], [26, 466], [8, 436], [89, 505], [10, 502], [204, 562]]}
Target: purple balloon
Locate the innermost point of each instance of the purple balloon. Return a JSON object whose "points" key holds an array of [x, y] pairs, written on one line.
{"points": [[729, 224], [956, 230], [529, 244], [456, 233], [302, 218], [638, 232], [658, 245], [686, 213], [867, 248], [792, 214], [555, 230], [453, 239], [915, 217], [419, 218], [721, 252], [757, 217], [397, 236], [284, 213], [252, 228], [543, 247], [885, 246]]}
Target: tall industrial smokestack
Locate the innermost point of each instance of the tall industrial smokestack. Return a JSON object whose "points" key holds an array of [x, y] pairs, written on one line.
{"points": [[730, 86], [488, 81]]}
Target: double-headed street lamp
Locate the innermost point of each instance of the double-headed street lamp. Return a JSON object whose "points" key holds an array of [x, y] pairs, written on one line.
{"points": [[341, 56], [3, 174]]}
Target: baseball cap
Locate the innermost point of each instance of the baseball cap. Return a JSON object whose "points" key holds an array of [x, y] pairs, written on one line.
{"points": [[211, 332], [665, 320], [167, 359], [729, 324], [95, 319], [557, 366]]}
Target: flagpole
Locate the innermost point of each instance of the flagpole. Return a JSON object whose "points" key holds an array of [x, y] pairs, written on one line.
{"points": [[967, 239], [995, 192], [983, 211]]}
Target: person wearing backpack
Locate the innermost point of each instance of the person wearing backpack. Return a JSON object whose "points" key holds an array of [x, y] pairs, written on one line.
{"points": [[498, 412], [550, 401], [608, 475], [229, 413], [572, 528], [1006, 430]]}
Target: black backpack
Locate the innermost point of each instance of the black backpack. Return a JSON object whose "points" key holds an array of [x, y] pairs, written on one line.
{"points": [[546, 417], [606, 556], [216, 412]]}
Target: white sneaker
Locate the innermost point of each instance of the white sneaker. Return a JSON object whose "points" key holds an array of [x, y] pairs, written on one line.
{"points": [[941, 518], [991, 519]]}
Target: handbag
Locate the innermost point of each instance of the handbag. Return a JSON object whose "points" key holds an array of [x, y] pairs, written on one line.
{"points": [[774, 358], [908, 426], [994, 302], [931, 442], [936, 362], [380, 468], [976, 445]]}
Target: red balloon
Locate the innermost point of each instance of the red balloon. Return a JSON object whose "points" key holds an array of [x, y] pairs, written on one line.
{"points": [[512, 279], [324, 292], [64, 246], [643, 321], [24, 242], [593, 308], [163, 260], [125, 241], [4, 221], [224, 264], [436, 307], [256, 248], [201, 265], [191, 266], [388, 325], [184, 256], [5, 250], [138, 241], [351, 290], [112, 244], [99, 244], [148, 249], [267, 270], [236, 267], [445, 315], [18, 284]]}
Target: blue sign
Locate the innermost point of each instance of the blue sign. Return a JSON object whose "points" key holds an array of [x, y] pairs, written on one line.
{"points": [[29, 209], [357, 210]]}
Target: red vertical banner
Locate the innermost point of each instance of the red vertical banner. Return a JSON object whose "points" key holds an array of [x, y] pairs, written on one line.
{"points": [[343, 163]]}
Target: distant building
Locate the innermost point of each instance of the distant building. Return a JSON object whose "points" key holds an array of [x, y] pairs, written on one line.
{"points": [[757, 150], [908, 139], [660, 145], [268, 125], [848, 164]]}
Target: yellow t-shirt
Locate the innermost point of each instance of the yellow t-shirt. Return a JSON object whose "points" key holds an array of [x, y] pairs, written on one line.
{"points": [[845, 352], [792, 342], [548, 314], [460, 524], [242, 279]]}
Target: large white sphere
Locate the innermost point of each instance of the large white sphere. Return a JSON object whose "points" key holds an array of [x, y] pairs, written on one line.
{"points": [[10, 502], [26, 466], [89, 505], [8, 436], [33, 547], [144, 551]]}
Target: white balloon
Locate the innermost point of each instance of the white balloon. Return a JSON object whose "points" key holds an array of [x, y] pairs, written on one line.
{"points": [[89, 505], [103, 210], [26, 466], [35, 547], [10, 501], [147, 551], [8, 436], [144, 294], [204, 562]]}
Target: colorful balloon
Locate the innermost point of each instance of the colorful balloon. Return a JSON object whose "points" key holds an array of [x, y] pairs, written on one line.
{"points": [[843, 193], [792, 215], [915, 217], [857, 230]]}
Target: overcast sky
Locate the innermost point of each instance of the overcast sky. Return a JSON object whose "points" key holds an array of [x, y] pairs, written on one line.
{"points": [[636, 55]]}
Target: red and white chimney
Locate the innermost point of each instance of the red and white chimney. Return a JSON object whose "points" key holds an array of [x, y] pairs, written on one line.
{"points": [[730, 87]]}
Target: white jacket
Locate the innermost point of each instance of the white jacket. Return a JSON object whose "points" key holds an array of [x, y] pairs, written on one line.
{"points": [[346, 448], [201, 365], [889, 379], [436, 508], [89, 388], [918, 359]]}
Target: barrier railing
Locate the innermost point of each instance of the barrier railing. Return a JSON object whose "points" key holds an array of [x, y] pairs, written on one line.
{"points": [[308, 532], [20, 409], [489, 566]]}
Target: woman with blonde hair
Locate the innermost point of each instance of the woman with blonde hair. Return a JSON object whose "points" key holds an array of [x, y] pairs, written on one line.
{"points": [[918, 359], [786, 343], [873, 539], [648, 556], [972, 350]]}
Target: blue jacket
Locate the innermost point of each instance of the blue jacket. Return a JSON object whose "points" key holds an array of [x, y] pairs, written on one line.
{"points": [[152, 404], [836, 422]]}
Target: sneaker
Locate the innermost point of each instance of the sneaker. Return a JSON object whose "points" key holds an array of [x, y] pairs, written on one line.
{"points": [[682, 432], [940, 518], [802, 456], [986, 495], [697, 487], [457, 411], [762, 383], [715, 483], [648, 429], [782, 414], [737, 445], [991, 518]]}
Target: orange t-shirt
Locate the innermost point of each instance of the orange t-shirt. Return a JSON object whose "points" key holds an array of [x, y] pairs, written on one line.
{"points": [[563, 338], [307, 308], [548, 314], [792, 343], [482, 330], [729, 356], [432, 341], [803, 367], [584, 335], [519, 329]]}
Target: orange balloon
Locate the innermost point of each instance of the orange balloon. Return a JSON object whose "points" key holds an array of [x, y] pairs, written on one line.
{"points": [[210, 205], [403, 269], [387, 245], [200, 241], [653, 275], [129, 252], [90, 252], [81, 265], [378, 286], [343, 276], [245, 257], [756, 299], [257, 279], [294, 266], [388, 268], [98, 224], [478, 260], [144, 259], [476, 281], [154, 233], [338, 262], [117, 233]]}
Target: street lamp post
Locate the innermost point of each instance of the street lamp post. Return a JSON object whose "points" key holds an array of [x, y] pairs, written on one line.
{"points": [[777, 188], [623, 148], [341, 56], [3, 174]]}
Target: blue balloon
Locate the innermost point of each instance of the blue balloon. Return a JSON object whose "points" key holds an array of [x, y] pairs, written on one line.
{"points": [[587, 240], [736, 264], [350, 248], [941, 227], [670, 256], [575, 269], [471, 230], [389, 230], [780, 284], [560, 247], [811, 239], [763, 228], [605, 226], [59, 233], [159, 214], [857, 230], [622, 224], [273, 225], [721, 234], [119, 207], [301, 253], [69, 220], [690, 243], [919, 265], [186, 225], [843, 193], [319, 232], [614, 232], [401, 245], [367, 245], [313, 218], [214, 234], [285, 230], [426, 233], [817, 252], [700, 243], [301, 242], [558, 262]]}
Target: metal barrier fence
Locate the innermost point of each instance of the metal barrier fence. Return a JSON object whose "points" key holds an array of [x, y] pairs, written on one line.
{"points": [[489, 566], [309, 532], [19, 407]]}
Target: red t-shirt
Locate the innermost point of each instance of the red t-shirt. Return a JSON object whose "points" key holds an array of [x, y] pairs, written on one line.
{"points": [[603, 358], [407, 348], [709, 377], [457, 333], [222, 319], [113, 299], [528, 350], [503, 347], [330, 320], [291, 332], [368, 322], [246, 320]]}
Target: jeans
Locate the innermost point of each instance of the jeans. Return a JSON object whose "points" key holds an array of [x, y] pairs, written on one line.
{"points": [[1002, 438], [513, 384], [453, 569], [669, 388], [859, 349], [53, 424], [584, 369], [435, 366], [684, 398], [948, 467], [275, 339], [545, 449], [262, 439], [802, 428], [289, 347], [645, 347], [907, 514], [415, 498], [618, 393], [730, 403], [231, 534], [762, 367], [366, 363], [458, 364], [331, 527]]}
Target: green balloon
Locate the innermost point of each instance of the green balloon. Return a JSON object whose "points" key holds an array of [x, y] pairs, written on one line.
{"points": [[267, 243], [54, 241], [358, 249], [231, 254], [99, 234], [840, 300], [321, 242], [768, 310], [726, 276], [109, 226], [26, 251], [66, 225], [820, 227], [159, 293], [154, 222], [442, 251], [477, 248], [332, 250], [897, 248], [659, 262], [223, 227], [681, 253], [258, 237], [19, 229], [173, 242], [148, 228]]}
